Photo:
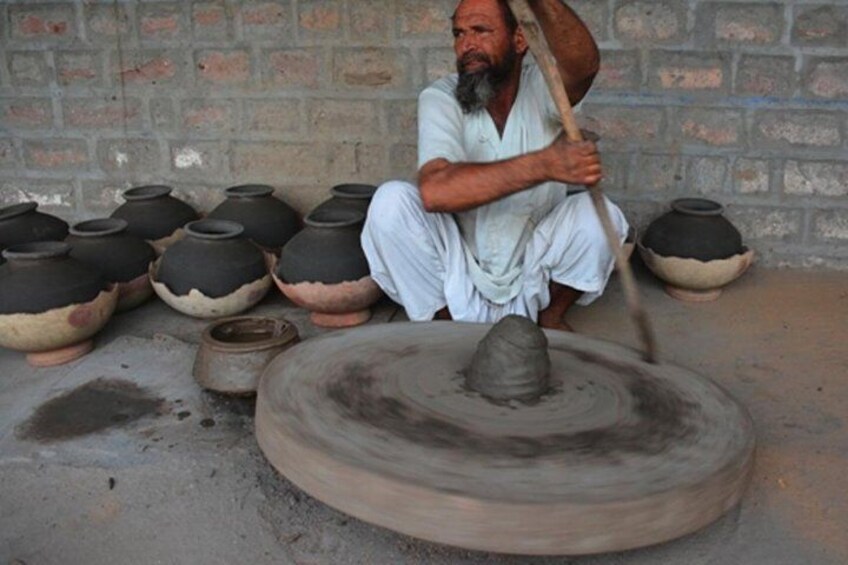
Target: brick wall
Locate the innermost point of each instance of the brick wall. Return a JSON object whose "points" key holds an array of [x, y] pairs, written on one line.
{"points": [[742, 101]]}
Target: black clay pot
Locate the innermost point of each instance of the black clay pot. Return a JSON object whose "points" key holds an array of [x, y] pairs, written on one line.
{"points": [[693, 229], [327, 250], [214, 259], [350, 196], [22, 223], [41, 276], [152, 213], [267, 220], [105, 245]]}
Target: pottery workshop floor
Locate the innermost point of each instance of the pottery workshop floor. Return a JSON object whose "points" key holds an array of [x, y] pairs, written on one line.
{"points": [[181, 480]]}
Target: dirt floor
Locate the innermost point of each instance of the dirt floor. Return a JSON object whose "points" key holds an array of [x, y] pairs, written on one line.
{"points": [[151, 469]]}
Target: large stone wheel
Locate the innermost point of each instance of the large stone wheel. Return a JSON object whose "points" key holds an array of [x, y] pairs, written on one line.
{"points": [[377, 422]]}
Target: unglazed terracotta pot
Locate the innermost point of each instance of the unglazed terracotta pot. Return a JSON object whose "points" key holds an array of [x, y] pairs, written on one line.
{"points": [[350, 195], [213, 272], [324, 270], [233, 352], [50, 303], [121, 258], [695, 250], [267, 220], [154, 215], [22, 223]]}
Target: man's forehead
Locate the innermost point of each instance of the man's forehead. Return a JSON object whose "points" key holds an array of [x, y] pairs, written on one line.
{"points": [[487, 10]]}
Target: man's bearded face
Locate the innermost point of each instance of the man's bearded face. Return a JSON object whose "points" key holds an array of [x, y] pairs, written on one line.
{"points": [[480, 78]]}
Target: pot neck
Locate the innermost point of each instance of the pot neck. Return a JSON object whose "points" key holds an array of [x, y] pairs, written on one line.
{"points": [[697, 207], [142, 193], [16, 210], [31, 254], [334, 219], [101, 227], [213, 230], [249, 191]]}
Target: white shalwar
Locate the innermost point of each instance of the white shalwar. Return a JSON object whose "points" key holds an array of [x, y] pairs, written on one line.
{"points": [[499, 258]]}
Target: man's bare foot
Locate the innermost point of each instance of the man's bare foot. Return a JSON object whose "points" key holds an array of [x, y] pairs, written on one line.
{"points": [[443, 314], [553, 323], [562, 298]]}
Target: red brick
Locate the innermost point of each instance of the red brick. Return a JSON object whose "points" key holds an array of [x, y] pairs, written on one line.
{"points": [[8, 155], [147, 67], [827, 78], [293, 67], [356, 118], [706, 175], [28, 69], [203, 115], [726, 23], [816, 178], [272, 116], [263, 19], [751, 176], [56, 154], [654, 173], [784, 128], [624, 124], [53, 197], [594, 14], [820, 25], [224, 66], [28, 113], [105, 21], [403, 161], [371, 68], [650, 22], [204, 159], [96, 113], [620, 70], [43, 21], [830, 225], [163, 116], [100, 198], [357, 162], [160, 21], [425, 18], [403, 119], [710, 127], [320, 16], [439, 62], [759, 223], [210, 20], [130, 157], [763, 75], [276, 161], [79, 68], [699, 72], [371, 19]]}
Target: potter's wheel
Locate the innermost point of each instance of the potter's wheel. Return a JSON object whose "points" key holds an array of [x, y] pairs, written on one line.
{"points": [[618, 453]]}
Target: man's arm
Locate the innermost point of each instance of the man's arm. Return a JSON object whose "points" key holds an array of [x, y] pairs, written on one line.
{"points": [[572, 45], [456, 187]]}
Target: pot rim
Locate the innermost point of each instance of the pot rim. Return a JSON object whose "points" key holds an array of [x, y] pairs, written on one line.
{"points": [[15, 210], [697, 206], [286, 333], [99, 227], [147, 192], [213, 230], [334, 218], [355, 191], [36, 251], [249, 190]]}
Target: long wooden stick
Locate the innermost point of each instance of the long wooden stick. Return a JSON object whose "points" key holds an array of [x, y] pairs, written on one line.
{"points": [[548, 65]]}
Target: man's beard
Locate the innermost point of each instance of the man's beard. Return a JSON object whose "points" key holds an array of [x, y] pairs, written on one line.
{"points": [[476, 88]]}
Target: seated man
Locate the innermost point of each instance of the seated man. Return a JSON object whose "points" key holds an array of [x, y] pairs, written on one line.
{"points": [[489, 230]]}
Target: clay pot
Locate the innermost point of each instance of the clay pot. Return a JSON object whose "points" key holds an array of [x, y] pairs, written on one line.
{"points": [[695, 250], [267, 220], [154, 215], [324, 270], [213, 272], [21, 223], [233, 352], [121, 258], [351, 195], [50, 303]]}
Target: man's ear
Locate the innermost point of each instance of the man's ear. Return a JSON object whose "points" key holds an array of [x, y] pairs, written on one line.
{"points": [[520, 41]]}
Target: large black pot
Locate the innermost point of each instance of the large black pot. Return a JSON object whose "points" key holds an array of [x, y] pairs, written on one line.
{"points": [[42, 276], [152, 213], [105, 245], [694, 228], [350, 196], [214, 259], [267, 220], [22, 223], [327, 250]]}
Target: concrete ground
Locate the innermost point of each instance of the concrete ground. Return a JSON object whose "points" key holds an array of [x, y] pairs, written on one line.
{"points": [[176, 475]]}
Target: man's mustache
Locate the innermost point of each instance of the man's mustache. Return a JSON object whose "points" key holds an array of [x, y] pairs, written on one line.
{"points": [[472, 57]]}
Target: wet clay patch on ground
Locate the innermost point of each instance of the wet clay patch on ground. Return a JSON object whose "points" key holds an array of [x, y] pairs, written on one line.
{"points": [[93, 407]]}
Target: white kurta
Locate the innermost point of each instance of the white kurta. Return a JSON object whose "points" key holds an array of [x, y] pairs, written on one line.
{"points": [[495, 234]]}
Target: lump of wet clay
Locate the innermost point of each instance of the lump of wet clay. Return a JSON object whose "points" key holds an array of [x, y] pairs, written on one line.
{"points": [[511, 361]]}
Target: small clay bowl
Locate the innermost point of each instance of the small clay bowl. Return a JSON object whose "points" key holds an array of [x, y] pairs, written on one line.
{"points": [[233, 352]]}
